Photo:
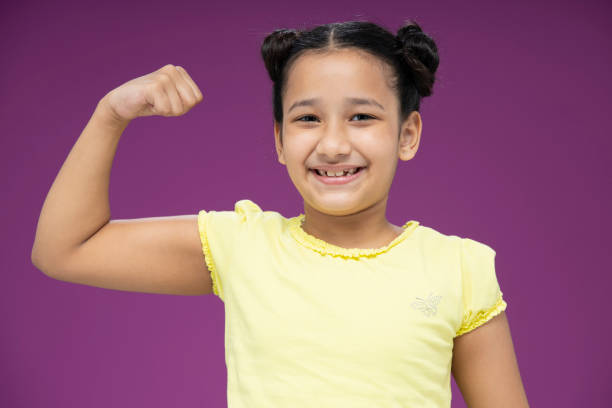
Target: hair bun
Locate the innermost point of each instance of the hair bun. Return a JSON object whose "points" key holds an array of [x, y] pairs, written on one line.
{"points": [[275, 50], [421, 54]]}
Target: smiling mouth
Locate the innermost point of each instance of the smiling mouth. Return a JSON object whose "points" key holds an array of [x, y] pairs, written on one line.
{"points": [[332, 174]]}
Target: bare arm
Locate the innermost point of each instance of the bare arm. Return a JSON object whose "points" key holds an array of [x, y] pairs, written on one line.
{"points": [[77, 241], [485, 367], [77, 203]]}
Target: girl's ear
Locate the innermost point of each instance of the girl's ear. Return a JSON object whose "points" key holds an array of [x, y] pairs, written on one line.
{"points": [[278, 143], [410, 135]]}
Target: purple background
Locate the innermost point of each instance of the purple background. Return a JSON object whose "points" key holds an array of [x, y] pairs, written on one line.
{"points": [[514, 153]]}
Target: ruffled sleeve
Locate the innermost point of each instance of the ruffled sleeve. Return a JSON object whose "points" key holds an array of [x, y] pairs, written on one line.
{"points": [[218, 235], [482, 297]]}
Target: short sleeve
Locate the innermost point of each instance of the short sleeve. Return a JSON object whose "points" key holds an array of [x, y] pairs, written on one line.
{"points": [[219, 231], [482, 297]]}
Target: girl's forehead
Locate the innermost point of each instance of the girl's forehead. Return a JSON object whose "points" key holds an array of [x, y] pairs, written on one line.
{"points": [[344, 70], [345, 56]]}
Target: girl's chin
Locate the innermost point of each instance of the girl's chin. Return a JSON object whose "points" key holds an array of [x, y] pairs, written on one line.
{"points": [[337, 207]]}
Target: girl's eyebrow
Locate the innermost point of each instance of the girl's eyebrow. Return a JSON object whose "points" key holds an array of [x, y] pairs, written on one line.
{"points": [[349, 100]]}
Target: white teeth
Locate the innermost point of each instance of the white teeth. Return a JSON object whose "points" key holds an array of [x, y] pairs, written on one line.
{"points": [[336, 174]]}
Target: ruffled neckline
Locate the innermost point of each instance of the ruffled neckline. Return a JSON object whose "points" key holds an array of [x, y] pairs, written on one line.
{"points": [[326, 248]]}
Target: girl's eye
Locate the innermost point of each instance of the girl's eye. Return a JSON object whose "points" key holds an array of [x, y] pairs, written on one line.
{"points": [[307, 116], [358, 114], [363, 114]]}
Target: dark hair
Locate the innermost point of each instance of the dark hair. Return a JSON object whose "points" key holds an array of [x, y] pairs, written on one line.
{"points": [[412, 55]]}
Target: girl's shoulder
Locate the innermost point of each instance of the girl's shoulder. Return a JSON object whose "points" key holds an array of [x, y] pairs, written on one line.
{"points": [[437, 241], [244, 210], [247, 216]]}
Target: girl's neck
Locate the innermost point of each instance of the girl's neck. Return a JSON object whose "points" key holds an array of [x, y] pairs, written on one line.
{"points": [[368, 228]]}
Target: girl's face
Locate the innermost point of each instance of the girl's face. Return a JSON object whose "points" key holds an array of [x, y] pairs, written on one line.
{"points": [[339, 113]]}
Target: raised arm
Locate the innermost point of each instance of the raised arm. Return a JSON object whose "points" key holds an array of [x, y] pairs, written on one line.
{"points": [[77, 241]]}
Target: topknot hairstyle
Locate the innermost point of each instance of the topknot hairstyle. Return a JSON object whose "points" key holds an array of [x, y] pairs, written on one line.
{"points": [[412, 55]]}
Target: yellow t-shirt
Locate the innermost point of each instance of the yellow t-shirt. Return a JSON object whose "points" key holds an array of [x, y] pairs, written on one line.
{"points": [[311, 324]]}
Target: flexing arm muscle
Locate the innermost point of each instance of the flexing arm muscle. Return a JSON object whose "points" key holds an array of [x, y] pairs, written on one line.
{"points": [[77, 241], [153, 255]]}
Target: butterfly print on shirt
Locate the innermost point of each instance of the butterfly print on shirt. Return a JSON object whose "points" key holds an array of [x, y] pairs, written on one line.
{"points": [[428, 305]]}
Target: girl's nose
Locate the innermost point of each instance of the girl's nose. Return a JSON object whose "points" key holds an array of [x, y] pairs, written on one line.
{"points": [[334, 141]]}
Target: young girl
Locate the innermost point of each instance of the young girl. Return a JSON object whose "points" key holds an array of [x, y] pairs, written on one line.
{"points": [[335, 307]]}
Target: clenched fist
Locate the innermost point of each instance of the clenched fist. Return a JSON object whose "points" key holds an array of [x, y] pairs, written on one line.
{"points": [[169, 91]]}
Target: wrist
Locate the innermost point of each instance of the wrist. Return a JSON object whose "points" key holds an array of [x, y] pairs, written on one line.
{"points": [[105, 113]]}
